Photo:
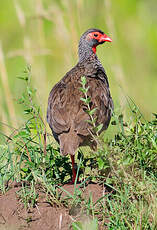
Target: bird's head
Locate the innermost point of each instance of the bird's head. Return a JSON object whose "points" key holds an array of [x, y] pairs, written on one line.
{"points": [[94, 37]]}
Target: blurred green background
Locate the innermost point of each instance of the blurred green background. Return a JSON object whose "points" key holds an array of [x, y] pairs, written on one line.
{"points": [[45, 34]]}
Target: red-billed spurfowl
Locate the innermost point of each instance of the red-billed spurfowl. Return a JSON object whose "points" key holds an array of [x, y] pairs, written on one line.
{"points": [[66, 113]]}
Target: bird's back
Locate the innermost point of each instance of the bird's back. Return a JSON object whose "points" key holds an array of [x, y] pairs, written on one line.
{"points": [[66, 113]]}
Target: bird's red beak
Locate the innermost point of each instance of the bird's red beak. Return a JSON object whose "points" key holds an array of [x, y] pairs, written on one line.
{"points": [[105, 38]]}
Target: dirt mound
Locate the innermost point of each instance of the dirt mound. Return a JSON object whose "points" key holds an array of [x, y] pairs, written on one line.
{"points": [[13, 215]]}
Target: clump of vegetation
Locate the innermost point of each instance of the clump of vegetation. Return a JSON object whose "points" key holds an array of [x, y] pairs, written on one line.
{"points": [[136, 145], [125, 168]]}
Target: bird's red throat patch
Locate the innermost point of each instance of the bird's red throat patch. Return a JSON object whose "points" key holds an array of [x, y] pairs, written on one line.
{"points": [[94, 49]]}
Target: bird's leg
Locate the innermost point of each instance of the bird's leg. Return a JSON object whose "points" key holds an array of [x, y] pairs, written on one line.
{"points": [[73, 168]]}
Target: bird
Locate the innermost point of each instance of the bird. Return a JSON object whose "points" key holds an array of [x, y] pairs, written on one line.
{"points": [[66, 114]]}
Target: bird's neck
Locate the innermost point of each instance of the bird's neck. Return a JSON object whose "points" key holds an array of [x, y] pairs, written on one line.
{"points": [[85, 52]]}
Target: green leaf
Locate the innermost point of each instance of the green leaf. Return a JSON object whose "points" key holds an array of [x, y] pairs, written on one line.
{"points": [[22, 134], [77, 226], [100, 163], [86, 100], [27, 111], [83, 80], [83, 99], [24, 169], [155, 115], [83, 90], [98, 128], [94, 120], [90, 122], [91, 112], [25, 78]]}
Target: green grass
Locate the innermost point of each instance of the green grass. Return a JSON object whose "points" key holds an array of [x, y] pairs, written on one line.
{"points": [[124, 165], [130, 60]]}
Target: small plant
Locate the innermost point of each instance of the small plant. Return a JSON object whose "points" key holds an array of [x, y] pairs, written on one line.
{"points": [[138, 146], [26, 155], [101, 157], [28, 195], [91, 112]]}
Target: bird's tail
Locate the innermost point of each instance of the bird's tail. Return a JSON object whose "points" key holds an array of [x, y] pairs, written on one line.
{"points": [[69, 142]]}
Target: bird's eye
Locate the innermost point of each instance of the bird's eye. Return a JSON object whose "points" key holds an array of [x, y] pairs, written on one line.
{"points": [[95, 35]]}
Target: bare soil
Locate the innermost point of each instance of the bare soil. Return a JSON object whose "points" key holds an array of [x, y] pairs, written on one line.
{"points": [[44, 216]]}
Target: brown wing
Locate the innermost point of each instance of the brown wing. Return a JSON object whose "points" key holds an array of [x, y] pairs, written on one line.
{"points": [[55, 113], [64, 102]]}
